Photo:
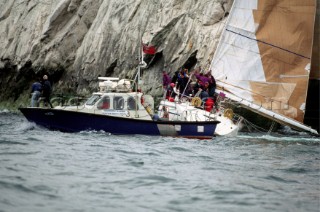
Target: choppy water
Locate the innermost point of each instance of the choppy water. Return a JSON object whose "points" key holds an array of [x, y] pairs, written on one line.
{"points": [[42, 170]]}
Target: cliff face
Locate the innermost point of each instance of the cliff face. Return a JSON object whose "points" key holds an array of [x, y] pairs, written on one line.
{"points": [[75, 41]]}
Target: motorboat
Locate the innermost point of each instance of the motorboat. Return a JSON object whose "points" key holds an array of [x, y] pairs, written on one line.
{"points": [[120, 110]]}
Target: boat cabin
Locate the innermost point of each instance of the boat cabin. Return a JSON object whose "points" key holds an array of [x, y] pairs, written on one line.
{"points": [[115, 98]]}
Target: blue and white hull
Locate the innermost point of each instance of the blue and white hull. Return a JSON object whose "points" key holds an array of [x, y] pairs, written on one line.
{"points": [[75, 121]]}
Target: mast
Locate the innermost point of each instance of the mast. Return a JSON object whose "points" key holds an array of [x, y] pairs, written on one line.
{"points": [[312, 116]]}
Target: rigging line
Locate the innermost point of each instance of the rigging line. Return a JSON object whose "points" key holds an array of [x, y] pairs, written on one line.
{"points": [[256, 127], [268, 44], [271, 127]]}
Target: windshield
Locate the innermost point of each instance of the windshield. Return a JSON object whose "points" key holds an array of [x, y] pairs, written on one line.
{"points": [[118, 103], [93, 99], [132, 103], [104, 103]]}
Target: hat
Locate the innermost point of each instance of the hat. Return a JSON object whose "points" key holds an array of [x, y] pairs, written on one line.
{"points": [[45, 77]]}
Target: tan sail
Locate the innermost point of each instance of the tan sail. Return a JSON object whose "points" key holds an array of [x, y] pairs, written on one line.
{"points": [[264, 55]]}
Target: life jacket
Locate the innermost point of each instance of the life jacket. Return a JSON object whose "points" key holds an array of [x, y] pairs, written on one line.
{"points": [[209, 104]]}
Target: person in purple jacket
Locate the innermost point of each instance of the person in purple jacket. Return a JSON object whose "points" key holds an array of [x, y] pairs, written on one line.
{"points": [[166, 80], [201, 77]]}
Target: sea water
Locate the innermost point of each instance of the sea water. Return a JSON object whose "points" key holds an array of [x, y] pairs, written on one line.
{"points": [[43, 170]]}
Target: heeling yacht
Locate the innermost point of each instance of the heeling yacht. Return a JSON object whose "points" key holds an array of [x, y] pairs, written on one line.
{"points": [[263, 59], [262, 63], [117, 109]]}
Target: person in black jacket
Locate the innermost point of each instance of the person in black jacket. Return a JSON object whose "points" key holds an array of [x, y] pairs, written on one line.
{"points": [[182, 84], [175, 77], [46, 91]]}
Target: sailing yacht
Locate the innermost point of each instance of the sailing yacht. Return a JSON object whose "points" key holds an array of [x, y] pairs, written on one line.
{"points": [[263, 59]]}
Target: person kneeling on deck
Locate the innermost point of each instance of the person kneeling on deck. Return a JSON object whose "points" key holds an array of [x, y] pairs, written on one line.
{"points": [[165, 112], [36, 92], [204, 90], [171, 93]]}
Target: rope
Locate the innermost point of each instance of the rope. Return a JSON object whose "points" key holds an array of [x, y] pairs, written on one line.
{"points": [[271, 127], [196, 101], [228, 113], [269, 44], [257, 128]]}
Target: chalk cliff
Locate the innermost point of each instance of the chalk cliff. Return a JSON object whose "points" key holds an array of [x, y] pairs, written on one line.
{"points": [[75, 41]]}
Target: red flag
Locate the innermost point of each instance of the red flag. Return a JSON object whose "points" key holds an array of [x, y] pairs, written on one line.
{"points": [[148, 49]]}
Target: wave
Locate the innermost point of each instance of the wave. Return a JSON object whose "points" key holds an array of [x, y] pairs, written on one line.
{"points": [[274, 138], [38, 189], [288, 131], [25, 126], [4, 111]]}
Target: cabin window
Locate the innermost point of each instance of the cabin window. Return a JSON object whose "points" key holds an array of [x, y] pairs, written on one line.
{"points": [[118, 103], [132, 103], [104, 103], [92, 100]]}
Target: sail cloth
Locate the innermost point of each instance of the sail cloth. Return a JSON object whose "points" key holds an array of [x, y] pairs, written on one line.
{"points": [[264, 54]]}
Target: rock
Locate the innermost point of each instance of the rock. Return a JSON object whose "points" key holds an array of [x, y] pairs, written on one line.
{"points": [[91, 38]]}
